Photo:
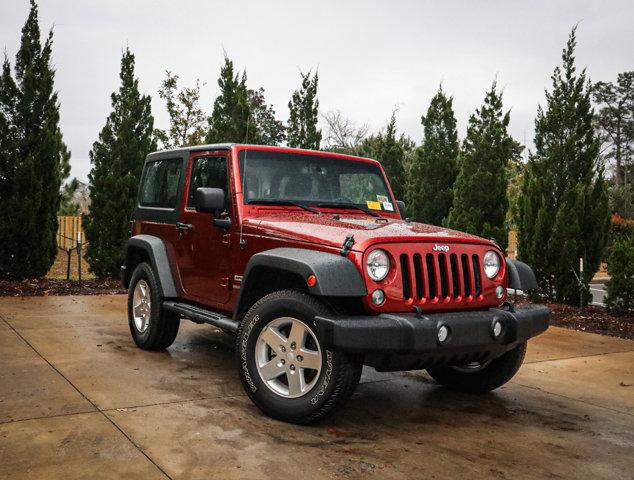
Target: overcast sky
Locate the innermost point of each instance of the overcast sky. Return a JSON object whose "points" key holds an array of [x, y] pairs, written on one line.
{"points": [[373, 56]]}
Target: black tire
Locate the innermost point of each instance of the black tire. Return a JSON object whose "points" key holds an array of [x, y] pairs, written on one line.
{"points": [[163, 325], [492, 376], [335, 383]]}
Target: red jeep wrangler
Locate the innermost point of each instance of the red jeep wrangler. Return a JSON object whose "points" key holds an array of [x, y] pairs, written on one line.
{"points": [[306, 258]]}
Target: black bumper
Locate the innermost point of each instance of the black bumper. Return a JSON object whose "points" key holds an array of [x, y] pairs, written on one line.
{"points": [[469, 332]]}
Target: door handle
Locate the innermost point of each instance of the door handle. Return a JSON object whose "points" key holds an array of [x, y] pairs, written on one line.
{"points": [[184, 226]]}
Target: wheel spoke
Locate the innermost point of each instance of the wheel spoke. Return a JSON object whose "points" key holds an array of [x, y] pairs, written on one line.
{"points": [[272, 369], [311, 359], [273, 338], [297, 335], [295, 382], [137, 310]]}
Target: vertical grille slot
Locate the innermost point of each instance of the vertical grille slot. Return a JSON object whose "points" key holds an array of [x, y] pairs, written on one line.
{"points": [[441, 276], [444, 277], [418, 275], [476, 275], [407, 288], [431, 275], [455, 274], [464, 260]]}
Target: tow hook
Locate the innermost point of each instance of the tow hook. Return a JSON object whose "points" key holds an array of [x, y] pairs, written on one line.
{"points": [[507, 303], [347, 245]]}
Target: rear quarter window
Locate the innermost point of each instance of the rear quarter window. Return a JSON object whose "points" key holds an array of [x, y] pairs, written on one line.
{"points": [[160, 183]]}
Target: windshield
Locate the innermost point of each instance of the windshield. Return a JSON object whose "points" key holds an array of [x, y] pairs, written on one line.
{"points": [[270, 177]]}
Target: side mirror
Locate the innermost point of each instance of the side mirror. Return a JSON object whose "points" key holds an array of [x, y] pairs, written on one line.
{"points": [[209, 200], [401, 208]]}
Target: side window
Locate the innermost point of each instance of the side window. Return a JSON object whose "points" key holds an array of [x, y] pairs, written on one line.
{"points": [[210, 172], [160, 183]]}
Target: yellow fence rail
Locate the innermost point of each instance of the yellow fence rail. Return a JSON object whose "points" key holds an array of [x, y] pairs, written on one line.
{"points": [[69, 231]]}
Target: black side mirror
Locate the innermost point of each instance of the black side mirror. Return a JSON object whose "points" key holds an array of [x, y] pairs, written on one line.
{"points": [[401, 208], [209, 200]]}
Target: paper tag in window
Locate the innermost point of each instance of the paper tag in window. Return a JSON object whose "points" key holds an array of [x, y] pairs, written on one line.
{"points": [[387, 206], [373, 205], [382, 198]]}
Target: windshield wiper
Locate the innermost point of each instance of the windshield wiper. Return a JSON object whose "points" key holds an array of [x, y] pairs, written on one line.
{"points": [[284, 202], [348, 205]]}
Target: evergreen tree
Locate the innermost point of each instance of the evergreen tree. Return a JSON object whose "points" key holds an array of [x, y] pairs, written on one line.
{"points": [[391, 151], [434, 166], [117, 160], [33, 157], [8, 161], [564, 207], [480, 193], [232, 119], [271, 131], [304, 111]]}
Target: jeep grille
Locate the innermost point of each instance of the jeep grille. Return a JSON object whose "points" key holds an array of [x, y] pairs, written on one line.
{"points": [[441, 277]]}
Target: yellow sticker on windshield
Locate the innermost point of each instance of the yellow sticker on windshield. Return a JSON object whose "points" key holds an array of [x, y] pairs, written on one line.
{"points": [[373, 205]]}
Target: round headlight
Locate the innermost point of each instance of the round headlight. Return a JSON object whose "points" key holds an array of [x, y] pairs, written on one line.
{"points": [[491, 264], [378, 264]]}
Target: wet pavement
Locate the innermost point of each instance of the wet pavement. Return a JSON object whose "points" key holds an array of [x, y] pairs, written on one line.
{"points": [[79, 400]]}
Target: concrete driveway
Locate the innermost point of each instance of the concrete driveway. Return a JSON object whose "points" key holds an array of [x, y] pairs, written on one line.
{"points": [[79, 400]]}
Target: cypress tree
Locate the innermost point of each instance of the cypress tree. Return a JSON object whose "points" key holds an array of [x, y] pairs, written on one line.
{"points": [[434, 166], [117, 161], [304, 112], [563, 214], [231, 119], [8, 161], [480, 198], [391, 151], [33, 157]]}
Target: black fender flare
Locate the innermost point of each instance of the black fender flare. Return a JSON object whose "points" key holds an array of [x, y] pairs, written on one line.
{"points": [[157, 254], [336, 275], [521, 276]]}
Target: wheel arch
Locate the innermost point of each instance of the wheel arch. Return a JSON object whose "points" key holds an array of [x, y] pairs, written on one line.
{"points": [[150, 249], [289, 268], [520, 275]]}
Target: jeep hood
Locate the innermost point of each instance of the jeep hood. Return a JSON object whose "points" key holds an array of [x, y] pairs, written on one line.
{"points": [[331, 230]]}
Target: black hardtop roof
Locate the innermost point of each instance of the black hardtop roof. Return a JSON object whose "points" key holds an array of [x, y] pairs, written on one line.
{"points": [[195, 148], [161, 154]]}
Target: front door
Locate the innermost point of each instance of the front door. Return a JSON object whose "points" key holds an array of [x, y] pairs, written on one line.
{"points": [[203, 248]]}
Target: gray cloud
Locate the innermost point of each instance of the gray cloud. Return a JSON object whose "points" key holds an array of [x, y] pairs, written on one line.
{"points": [[372, 56]]}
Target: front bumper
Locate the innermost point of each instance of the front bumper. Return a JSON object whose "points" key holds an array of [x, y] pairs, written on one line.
{"points": [[471, 333]]}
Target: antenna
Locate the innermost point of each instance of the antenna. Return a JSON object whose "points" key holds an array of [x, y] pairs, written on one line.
{"points": [[242, 242]]}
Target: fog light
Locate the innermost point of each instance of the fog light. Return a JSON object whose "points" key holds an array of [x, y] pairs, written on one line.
{"points": [[499, 291], [378, 297], [443, 334], [497, 328]]}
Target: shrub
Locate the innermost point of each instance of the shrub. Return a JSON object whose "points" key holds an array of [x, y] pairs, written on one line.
{"points": [[620, 287], [620, 230]]}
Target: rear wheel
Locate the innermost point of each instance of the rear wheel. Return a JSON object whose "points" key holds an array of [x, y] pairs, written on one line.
{"points": [[152, 327], [481, 377], [285, 369]]}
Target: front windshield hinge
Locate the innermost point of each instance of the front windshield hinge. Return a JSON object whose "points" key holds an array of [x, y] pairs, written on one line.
{"points": [[347, 245]]}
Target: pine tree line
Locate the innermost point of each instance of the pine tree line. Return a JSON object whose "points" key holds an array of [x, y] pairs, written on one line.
{"points": [[560, 204]]}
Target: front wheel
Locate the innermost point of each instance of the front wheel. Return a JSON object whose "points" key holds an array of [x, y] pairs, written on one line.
{"points": [[481, 377], [285, 369]]}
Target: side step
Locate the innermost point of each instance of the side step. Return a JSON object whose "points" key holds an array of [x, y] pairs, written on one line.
{"points": [[201, 315]]}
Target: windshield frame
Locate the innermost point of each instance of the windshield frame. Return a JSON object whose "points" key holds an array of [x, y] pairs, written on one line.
{"points": [[241, 151]]}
